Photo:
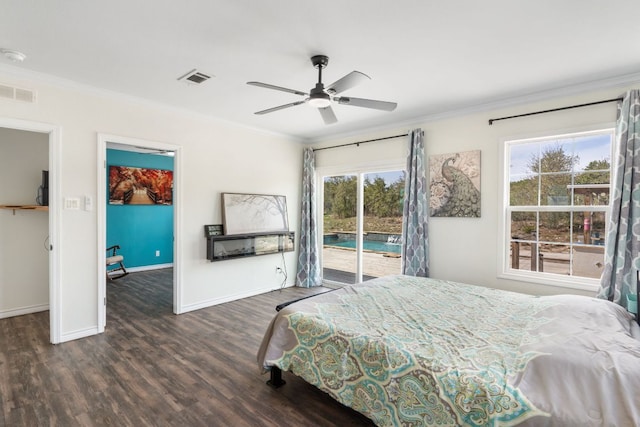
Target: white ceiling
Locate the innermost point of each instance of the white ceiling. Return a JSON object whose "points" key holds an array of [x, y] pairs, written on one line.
{"points": [[428, 56]]}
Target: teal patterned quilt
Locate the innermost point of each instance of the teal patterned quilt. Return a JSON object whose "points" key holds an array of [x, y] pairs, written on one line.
{"points": [[408, 351]]}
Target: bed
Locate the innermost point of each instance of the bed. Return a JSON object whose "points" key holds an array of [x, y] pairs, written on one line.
{"points": [[413, 351]]}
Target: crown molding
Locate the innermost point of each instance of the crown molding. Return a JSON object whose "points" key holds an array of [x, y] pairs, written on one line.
{"points": [[415, 121], [620, 81], [23, 74]]}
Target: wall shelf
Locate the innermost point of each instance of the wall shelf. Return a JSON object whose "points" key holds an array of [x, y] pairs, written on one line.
{"points": [[24, 208], [220, 248]]}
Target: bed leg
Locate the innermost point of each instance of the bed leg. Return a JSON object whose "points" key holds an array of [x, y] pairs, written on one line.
{"points": [[276, 380]]}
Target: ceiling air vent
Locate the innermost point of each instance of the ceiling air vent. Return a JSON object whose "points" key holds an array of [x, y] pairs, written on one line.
{"points": [[17, 94], [195, 77]]}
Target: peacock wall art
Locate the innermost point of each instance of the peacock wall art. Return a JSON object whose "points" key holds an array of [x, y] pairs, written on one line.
{"points": [[454, 181]]}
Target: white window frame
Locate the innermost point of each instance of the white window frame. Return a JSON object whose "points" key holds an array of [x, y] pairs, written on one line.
{"points": [[550, 279], [359, 170]]}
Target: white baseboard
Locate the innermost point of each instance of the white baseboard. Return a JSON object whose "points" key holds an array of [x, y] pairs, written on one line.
{"points": [[149, 267], [216, 301], [23, 310]]}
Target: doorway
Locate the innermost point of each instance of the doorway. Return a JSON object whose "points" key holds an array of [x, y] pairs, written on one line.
{"points": [[51, 243], [140, 146], [362, 224]]}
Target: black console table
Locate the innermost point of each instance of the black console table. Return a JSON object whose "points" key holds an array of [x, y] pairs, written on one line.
{"points": [[220, 248]]}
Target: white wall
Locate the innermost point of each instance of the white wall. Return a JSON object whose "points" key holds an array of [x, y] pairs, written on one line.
{"points": [[216, 157], [466, 250], [24, 266]]}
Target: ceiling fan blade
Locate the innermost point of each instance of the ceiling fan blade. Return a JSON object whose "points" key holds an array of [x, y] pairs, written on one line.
{"points": [[328, 115], [367, 103], [280, 107], [282, 89], [352, 79]]}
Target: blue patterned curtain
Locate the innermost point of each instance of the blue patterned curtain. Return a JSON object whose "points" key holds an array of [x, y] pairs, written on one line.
{"points": [[308, 273], [623, 237], [415, 239]]}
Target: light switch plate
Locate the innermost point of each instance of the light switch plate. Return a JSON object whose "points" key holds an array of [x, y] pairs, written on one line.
{"points": [[72, 203]]}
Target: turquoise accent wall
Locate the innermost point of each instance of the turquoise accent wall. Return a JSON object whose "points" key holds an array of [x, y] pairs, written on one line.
{"points": [[140, 230]]}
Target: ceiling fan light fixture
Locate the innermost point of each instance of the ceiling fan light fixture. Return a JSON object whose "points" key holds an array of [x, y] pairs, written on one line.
{"points": [[318, 98], [320, 102]]}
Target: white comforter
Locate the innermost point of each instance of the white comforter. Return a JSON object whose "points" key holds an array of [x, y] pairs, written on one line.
{"points": [[589, 372]]}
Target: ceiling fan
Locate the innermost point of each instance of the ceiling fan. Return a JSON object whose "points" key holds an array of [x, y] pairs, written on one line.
{"points": [[321, 97]]}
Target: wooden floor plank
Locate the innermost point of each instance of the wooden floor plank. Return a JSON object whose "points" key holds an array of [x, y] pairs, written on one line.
{"points": [[153, 368]]}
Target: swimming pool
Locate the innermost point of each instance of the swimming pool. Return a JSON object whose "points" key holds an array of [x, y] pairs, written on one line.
{"points": [[367, 245]]}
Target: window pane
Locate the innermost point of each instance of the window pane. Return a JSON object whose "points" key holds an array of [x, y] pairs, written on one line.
{"points": [[579, 229], [520, 256], [590, 194], [555, 227], [594, 152], [382, 222], [555, 156], [523, 225], [588, 261], [338, 250], [593, 177], [554, 189], [522, 177], [523, 231], [598, 224], [519, 157], [554, 259], [589, 228], [524, 192]]}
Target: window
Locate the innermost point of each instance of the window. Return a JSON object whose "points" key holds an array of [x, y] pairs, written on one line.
{"points": [[556, 208], [362, 224]]}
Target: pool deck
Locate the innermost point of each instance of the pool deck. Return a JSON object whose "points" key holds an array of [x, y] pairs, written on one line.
{"points": [[340, 265]]}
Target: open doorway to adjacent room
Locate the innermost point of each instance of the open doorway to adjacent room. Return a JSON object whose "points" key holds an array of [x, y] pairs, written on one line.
{"points": [[138, 205], [29, 244]]}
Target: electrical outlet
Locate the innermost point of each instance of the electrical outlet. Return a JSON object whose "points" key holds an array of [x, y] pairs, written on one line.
{"points": [[157, 253], [279, 270]]}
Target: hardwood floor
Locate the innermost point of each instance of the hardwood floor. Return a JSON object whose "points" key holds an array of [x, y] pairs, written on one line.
{"points": [[153, 368]]}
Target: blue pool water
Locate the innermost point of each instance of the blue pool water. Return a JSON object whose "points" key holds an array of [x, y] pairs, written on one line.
{"points": [[367, 245]]}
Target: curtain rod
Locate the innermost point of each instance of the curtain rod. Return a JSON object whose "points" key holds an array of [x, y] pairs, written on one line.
{"points": [[554, 109], [361, 142]]}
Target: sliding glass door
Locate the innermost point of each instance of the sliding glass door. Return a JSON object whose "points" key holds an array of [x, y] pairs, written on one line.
{"points": [[339, 257], [362, 225]]}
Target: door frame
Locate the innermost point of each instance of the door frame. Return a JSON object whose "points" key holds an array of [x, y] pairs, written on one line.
{"points": [[357, 169], [101, 205], [55, 298]]}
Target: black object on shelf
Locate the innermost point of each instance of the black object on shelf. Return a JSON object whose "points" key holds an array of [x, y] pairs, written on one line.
{"points": [[43, 191], [226, 247]]}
